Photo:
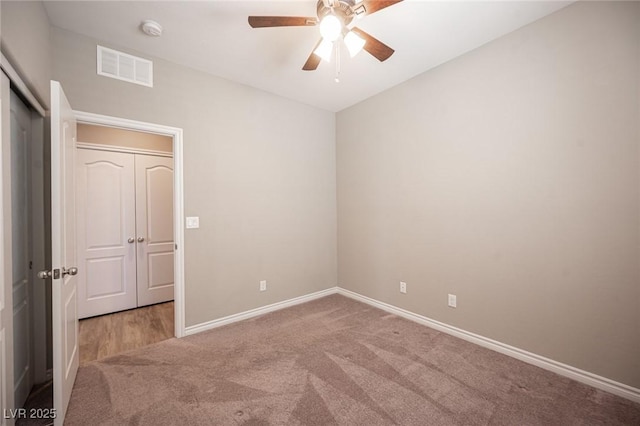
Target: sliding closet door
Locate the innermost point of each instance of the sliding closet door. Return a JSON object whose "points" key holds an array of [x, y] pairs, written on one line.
{"points": [[106, 232], [154, 222]]}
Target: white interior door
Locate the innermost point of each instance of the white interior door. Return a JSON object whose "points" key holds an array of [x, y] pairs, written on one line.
{"points": [[20, 127], [6, 290], [63, 250], [106, 232], [154, 223]]}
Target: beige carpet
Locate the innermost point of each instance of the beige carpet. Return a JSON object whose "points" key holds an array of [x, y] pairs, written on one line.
{"points": [[333, 361]]}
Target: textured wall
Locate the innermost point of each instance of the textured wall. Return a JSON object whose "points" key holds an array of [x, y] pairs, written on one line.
{"points": [[509, 177]]}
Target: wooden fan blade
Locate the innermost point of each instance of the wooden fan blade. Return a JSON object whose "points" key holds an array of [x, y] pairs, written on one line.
{"points": [[372, 6], [314, 60], [378, 49], [281, 21]]}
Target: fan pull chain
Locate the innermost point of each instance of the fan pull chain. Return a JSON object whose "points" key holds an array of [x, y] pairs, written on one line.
{"points": [[337, 49]]}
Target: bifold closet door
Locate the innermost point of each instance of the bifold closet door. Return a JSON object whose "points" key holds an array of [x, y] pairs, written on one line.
{"points": [[106, 232], [154, 223]]}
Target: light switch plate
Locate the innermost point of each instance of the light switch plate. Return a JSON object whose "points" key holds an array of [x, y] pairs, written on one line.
{"points": [[193, 222], [453, 301]]}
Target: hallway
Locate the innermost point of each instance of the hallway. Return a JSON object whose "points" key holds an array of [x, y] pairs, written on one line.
{"points": [[111, 334]]}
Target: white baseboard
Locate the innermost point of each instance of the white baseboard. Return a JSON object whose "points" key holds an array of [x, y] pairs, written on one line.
{"points": [[576, 374], [193, 329]]}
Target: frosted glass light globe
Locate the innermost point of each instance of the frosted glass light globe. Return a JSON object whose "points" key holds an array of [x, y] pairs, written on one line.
{"points": [[354, 43], [330, 28]]}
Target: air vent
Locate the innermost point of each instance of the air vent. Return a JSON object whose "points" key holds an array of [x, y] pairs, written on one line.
{"points": [[122, 66]]}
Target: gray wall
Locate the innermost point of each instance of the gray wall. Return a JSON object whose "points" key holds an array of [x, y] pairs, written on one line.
{"points": [[509, 177], [259, 171], [25, 42]]}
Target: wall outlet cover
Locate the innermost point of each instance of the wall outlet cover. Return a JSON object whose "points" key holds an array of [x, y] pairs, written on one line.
{"points": [[193, 222], [453, 302]]}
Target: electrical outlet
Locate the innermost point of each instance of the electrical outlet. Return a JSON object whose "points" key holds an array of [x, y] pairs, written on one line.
{"points": [[453, 300], [403, 287], [263, 285]]}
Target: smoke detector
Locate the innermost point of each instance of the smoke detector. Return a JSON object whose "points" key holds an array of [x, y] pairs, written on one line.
{"points": [[151, 28]]}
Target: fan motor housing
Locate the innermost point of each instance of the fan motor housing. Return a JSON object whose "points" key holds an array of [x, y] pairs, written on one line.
{"points": [[343, 9]]}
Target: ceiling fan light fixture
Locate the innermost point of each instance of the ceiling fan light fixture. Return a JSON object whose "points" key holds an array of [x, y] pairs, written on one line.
{"points": [[324, 50], [330, 27], [335, 23], [354, 43]]}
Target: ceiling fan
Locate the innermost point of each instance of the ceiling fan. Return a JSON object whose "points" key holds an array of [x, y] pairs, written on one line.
{"points": [[334, 18]]}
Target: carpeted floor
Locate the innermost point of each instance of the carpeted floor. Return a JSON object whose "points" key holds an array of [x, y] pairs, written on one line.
{"points": [[333, 361]]}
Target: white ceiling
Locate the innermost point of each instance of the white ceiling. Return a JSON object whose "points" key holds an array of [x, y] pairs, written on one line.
{"points": [[214, 36]]}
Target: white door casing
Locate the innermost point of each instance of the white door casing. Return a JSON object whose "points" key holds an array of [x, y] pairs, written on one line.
{"points": [[6, 290], [106, 232], [63, 250], [20, 128], [154, 224], [178, 198]]}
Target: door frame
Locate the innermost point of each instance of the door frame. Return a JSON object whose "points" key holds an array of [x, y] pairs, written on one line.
{"points": [[178, 197]]}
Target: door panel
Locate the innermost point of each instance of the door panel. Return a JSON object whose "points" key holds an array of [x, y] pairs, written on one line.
{"points": [[63, 250], [105, 277], [106, 223], [20, 126], [154, 222]]}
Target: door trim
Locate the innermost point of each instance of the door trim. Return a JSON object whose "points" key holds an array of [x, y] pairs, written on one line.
{"points": [[178, 197]]}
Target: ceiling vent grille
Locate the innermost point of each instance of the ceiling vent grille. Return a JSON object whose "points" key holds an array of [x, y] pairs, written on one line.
{"points": [[122, 66]]}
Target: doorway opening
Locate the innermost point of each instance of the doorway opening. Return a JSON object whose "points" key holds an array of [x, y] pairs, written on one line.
{"points": [[154, 145], [125, 239]]}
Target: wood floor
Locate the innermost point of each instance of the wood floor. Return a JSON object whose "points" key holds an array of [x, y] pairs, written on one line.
{"points": [[111, 334]]}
